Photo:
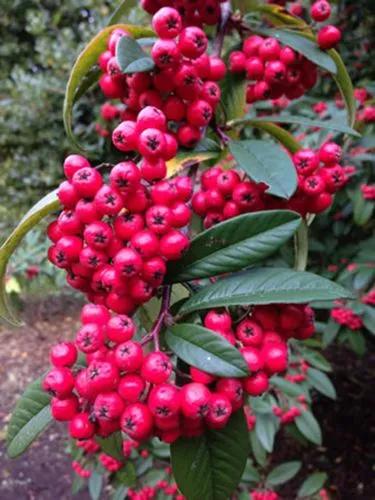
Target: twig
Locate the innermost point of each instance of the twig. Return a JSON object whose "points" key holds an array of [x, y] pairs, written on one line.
{"points": [[159, 323], [226, 11]]}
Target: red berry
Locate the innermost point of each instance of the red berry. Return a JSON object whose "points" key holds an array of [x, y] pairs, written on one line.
{"points": [[59, 381], [306, 161], [275, 358], [200, 376], [313, 185], [127, 225], [254, 68], [72, 163], [249, 333], [320, 10], [63, 354], [174, 108], [125, 176], [218, 320], [102, 376], [328, 37], [154, 270], [86, 211], [219, 412], [164, 401], [108, 406], [97, 314], [124, 136], [165, 54], [269, 49], [256, 384], [67, 194], [195, 399], [87, 182], [192, 42], [237, 61], [64, 409], [330, 153], [232, 389], [129, 356], [156, 368], [145, 243], [98, 235], [188, 136], [90, 338], [251, 45], [173, 245], [159, 219], [151, 117], [128, 262], [131, 388], [120, 328], [80, 427], [253, 358], [275, 72], [137, 421], [218, 68]]}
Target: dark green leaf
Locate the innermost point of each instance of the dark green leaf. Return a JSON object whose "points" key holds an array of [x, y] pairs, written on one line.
{"points": [[317, 360], [30, 418], [257, 449], [321, 382], [127, 475], [95, 485], [206, 350], [303, 45], [131, 57], [283, 473], [368, 319], [330, 332], [235, 244], [210, 467], [357, 342], [266, 427], [41, 209], [309, 427], [292, 390], [112, 445], [362, 209], [250, 475], [312, 484], [345, 86], [259, 159], [264, 286], [306, 122], [233, 96]]}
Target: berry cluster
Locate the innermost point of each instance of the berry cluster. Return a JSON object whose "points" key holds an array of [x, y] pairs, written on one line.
{"points": [[263, 495], [328, 36], [193, 13], [126, 387], [180, 94], [115, 238], [80, 470], [368, 191], [227, 193], [110, 463], [273, 69], [346, 317]]}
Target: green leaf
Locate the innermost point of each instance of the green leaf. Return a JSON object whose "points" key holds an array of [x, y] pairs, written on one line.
{"points": [[233, 96], [204, 150], [206, 350], [112, 445], [250, 474], [120, 492], [95, 485], [312, 484], [306, 46], [317, 360], [264, 286], [345, 86], [30, 418], [78, 484], [131, 57], [283, 473], [368, 319], [41, 209], [124, 7], [257, 449], [362, 209], [210, 467], [280, 134], [357, 342], [306, 122], [330, 332], [127, 475], [266, 427], [309, 427], [321, 382], [234, 244], [259, 159], [292, 390], [82, 67]]}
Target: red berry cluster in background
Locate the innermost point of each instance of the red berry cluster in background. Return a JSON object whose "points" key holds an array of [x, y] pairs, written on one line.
{"points": [[181, 90], [346, 317], [125, 386], [227, 193], [114, 238], [193, 13], [274, 70], [263, 495]]}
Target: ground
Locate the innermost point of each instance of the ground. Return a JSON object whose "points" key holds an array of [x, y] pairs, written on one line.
{"points": [[44, 472]]}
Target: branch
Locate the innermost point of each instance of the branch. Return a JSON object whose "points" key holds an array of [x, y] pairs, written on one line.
{"points": [[301, 247], [226, 11], [159, 323]]}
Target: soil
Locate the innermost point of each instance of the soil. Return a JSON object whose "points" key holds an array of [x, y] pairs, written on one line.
{"points": [[44, 471]]}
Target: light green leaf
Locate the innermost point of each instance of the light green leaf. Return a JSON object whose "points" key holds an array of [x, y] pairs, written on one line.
{"points": [[266, 427], [283, 473], [309, 427], [44, 207], [345, 86], [321, 382], [30, 417], [112, 445], [131, 57], [206, 350], [95, 485], [264, 286], [259, 158], [210, 467], [234, 244], [312, 484]]}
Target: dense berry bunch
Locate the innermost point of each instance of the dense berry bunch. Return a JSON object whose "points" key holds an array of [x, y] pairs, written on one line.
{"points": [[180, 95], [124, 386], [193, 13], [346, 317], [274, 70], [263, 495], [114, 238], [227, 193]]}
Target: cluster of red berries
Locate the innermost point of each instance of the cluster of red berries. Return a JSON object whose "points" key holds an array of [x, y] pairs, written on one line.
{"points": [[80, 470], [368, 191], [125, 387], [263, 495], [227, 193], [369, 298], [329, 35], [114, 238], [193, 13], [273, 69], [346, 317], [181, 90], [110, 463]]}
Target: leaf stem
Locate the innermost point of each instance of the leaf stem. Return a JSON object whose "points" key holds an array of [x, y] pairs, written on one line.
{"points": [[301, 247], [163, 314], [226, 11]]}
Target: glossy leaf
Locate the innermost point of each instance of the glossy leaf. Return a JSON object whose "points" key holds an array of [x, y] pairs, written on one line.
{"points": [[306, 122], [312, 484], [264, 286], [234, 244], [131, 57], [266, 427], [283, 473], [45, 206], [206, 350], [345, 86], [309, 427], [259, 159], [290, 389], [30, 418], [95, 485], [209, 467], [303, 45], [321, 382], [112, 445], [84, 64]]}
